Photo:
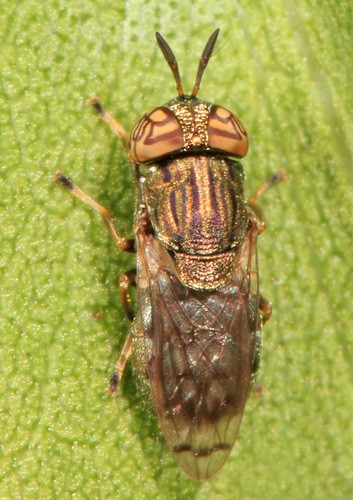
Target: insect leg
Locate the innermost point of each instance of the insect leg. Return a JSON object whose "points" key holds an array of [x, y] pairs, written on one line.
{"points": [[123, 243], [253, 200], [265, 307], [120, 366], [126, 280], [116, 127]]}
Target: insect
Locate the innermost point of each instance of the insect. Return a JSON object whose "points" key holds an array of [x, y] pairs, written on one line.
{"points": [[197, 329]]}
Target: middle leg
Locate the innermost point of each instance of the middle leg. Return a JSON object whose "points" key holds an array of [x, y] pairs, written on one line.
{"points": [[254, 199], [123, 243]]}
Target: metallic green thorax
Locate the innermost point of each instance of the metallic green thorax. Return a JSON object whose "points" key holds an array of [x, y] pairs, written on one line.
{"points": [[197, 209]]}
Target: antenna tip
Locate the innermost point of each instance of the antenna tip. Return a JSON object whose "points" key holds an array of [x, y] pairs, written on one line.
{"points": [[214, 35]]}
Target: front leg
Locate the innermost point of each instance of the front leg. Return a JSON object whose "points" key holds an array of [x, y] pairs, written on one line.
{"points": [[115, 126]]}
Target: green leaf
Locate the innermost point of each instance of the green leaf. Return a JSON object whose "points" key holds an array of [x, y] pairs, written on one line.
{"points": [[285, 68]]}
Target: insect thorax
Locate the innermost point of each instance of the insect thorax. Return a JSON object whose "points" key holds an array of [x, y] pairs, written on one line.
{"points": [[197, 209]]}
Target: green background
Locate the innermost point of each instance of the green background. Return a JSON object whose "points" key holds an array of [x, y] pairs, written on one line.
{"points": [[285, 68]]}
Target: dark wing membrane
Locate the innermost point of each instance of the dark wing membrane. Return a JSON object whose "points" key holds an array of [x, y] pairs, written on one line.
{"points": [[200, 349]]}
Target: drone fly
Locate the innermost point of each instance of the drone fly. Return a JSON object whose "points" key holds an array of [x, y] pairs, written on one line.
{"points": [[197, 329]]}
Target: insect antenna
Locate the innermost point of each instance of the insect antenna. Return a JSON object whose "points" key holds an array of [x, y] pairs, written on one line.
{"points": [[205, 57], [170, 58]]}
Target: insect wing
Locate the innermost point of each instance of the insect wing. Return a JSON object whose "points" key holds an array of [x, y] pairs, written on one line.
{"points": [[200, 349]]}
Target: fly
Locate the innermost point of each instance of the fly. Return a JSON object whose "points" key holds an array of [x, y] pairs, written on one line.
{"points": [[196, 333]]}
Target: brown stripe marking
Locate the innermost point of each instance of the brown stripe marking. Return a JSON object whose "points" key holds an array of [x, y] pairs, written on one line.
{"points": [[209, 209]]}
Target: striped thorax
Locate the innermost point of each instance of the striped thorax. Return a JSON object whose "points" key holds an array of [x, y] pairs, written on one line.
{"points": [[197, 208]]}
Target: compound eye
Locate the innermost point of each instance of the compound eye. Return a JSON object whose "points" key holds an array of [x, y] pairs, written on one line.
{"points": [[156, 134], [226, 133]]}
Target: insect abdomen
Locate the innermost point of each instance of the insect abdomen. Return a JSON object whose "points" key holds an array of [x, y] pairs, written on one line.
{"points": [[200, 349]]}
